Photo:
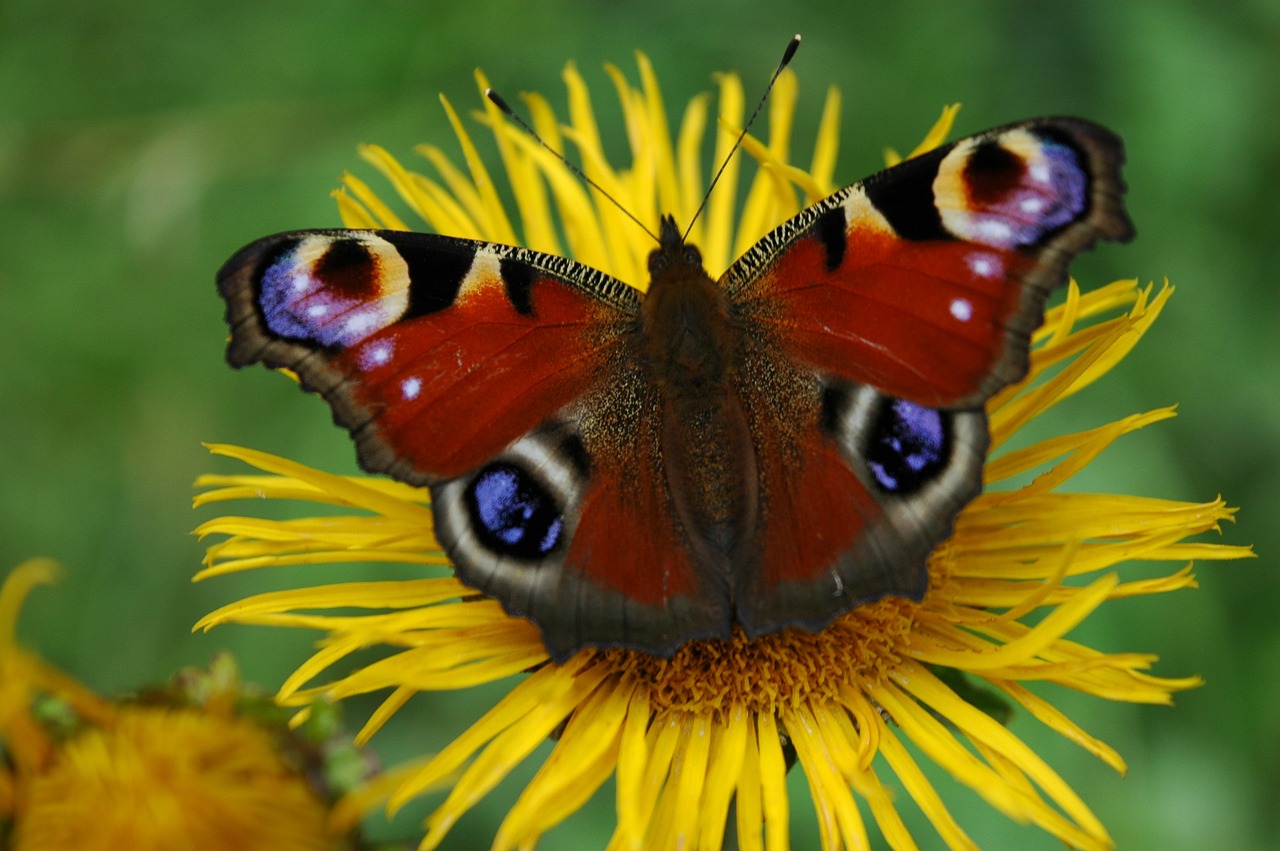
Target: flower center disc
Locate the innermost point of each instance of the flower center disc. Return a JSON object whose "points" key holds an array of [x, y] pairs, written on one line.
{"points": [[788, 668]]}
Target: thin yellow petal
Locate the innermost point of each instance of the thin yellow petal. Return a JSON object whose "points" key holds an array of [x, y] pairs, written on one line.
{"points": [[987, 733], [718, 234], [827, 145], [936, 136], [1007, 417], [747, 802], [1054, 625], [581, 761], [284, 487], [345, 556], [1049, 715], [517, 724], [376, 214], [769, 198], [380, 594], [1033, 598], [729, 741], [676, 817], [351, 212], [457, 201], [1143, 316], [1083, 446], [13, 593], [773, 785], [1046, 817], [867, 721], [941, 746], [668, 186], [1173, 582], [923, 793], [582, 229], [491, 214], [633, 758], [536, 220], [352, 807], [544, 121], [355, 494], [585, 134], [661, 744], [885, 811], [839, 821], [639, 183], [689, 164], [441, 213]]}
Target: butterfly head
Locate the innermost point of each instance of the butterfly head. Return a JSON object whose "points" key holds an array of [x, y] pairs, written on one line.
{"points": [[673, 259]]}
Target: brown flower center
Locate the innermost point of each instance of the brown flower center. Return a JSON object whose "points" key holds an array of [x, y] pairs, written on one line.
{"points": [[788, 668]]}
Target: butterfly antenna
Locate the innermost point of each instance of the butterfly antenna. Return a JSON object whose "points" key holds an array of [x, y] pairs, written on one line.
{"points": [[792, 47], [511, 113]]}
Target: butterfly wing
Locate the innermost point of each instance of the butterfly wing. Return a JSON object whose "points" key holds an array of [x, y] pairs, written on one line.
{"points": [[910, 299], [499, 378]]}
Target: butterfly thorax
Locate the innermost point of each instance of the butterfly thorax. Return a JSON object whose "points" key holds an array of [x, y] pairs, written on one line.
{"points": [[688, 335], [690, 352]]}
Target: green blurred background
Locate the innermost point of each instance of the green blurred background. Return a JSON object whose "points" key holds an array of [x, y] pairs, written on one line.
{"points": [[142, 141]]}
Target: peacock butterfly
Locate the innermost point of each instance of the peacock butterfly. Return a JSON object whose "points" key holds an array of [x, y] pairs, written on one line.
{"points": [[764, 451]]}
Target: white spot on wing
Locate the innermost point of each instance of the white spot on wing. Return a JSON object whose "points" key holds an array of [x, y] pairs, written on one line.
{"points": [[315, 311], [984, 265], [376, 355], [1031, 205], [411, 387], [360, 324], [1039, 172], [994, 232], [962, 309]]}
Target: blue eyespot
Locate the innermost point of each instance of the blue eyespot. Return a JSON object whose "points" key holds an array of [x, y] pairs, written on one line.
{"points": [[512, 513], [909, 446]]}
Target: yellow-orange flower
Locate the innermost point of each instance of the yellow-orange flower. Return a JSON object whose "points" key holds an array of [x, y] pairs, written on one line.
{"points": [[706, 736], [87, 773]]}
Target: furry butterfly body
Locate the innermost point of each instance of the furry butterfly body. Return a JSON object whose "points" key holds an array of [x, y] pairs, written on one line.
{"points": [[766, 450]]}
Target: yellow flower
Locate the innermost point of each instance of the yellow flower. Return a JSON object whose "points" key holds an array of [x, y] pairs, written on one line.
{"points": [[707, 736], [87, 773]]}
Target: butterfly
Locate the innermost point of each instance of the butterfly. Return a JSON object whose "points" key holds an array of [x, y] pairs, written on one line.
{"points": [[763, 451]]}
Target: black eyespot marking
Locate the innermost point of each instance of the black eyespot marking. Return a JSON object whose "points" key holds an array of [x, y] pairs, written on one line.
{"points": [[992, 172], [575, 452], [518, 279], [835, 401], [512, 514], [348, 269], [435, 277], [904, 196], [909, 446], [832, 232]]}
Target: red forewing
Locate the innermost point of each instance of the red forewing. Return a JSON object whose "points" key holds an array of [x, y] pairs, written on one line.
{"points": [[927, 279], [434, 352]]}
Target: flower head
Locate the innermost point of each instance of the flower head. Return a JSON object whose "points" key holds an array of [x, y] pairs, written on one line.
{"points": [[709, 734], [186, 767]]}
